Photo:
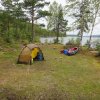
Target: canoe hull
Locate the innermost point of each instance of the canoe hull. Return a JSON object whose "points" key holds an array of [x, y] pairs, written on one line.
{"points": [[72, 51]]}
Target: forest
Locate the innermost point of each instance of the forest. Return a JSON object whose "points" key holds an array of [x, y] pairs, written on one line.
{"points": [[19, 19]]}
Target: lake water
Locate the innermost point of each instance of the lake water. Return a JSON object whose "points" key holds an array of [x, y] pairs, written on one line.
{"points": [[64, 40]]}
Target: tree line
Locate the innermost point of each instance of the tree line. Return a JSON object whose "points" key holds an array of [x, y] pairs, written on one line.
{"points": [[18, 19]]}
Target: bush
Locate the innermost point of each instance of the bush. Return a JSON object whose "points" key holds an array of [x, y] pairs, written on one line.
{"points": [[77, 41], [56, 41], [98, 48], [8, 37], [37, 39], [46, 41], [73, 42], [25, 42]]}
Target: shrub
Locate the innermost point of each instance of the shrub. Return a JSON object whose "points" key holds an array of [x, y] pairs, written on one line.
{"points": [[70, 42], [77, 41], [73, 42], [37, 39], [46, 41], [98, 48], [56, 41]]}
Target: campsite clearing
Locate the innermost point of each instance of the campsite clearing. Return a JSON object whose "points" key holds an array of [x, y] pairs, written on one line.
{"points": [[59, 77]]}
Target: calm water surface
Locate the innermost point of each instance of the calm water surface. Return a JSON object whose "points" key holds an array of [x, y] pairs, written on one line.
{"points": [[64, 40]]}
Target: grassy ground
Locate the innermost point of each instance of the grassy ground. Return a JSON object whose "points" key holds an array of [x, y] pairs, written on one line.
{"points": [[59, 77]]}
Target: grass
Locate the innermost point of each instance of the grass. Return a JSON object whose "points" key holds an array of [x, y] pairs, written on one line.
{"points": [[59, 77]]}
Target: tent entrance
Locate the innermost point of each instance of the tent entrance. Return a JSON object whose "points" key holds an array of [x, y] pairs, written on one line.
{"points": [[34, 53]]}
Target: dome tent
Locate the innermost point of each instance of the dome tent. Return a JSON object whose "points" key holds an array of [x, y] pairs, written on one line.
{"points": [[28, 53]]}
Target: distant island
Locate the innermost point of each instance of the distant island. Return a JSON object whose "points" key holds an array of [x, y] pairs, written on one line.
{"points": [[84, 35]]}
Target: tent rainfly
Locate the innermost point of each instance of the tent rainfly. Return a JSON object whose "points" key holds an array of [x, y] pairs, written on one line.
{"points": [[29, 53]]}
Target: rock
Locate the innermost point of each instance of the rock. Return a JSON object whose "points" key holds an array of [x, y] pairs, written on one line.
{"points": [[95, 52]]}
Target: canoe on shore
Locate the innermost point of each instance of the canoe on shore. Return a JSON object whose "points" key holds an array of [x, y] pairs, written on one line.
{"points": [[71, 51]]}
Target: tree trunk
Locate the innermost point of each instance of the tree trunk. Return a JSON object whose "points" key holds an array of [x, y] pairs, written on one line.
{"points": [[82, 25], [57, 38], [93, 26], [81, 38], [8, 28], [32, 24], [91, 35], [16, 31]]}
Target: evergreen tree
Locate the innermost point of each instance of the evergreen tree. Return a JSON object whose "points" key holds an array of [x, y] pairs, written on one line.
{"points": [[7, 4], [18, 16], [56, 21], [80, 11], [34, 7]]}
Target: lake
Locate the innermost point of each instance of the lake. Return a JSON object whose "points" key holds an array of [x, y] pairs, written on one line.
{"points": [[64, 40]]}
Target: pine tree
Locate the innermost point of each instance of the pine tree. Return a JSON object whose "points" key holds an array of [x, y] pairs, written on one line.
{"points": [[34, 8], [18, 15], [7, 4], [56, 21]]}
